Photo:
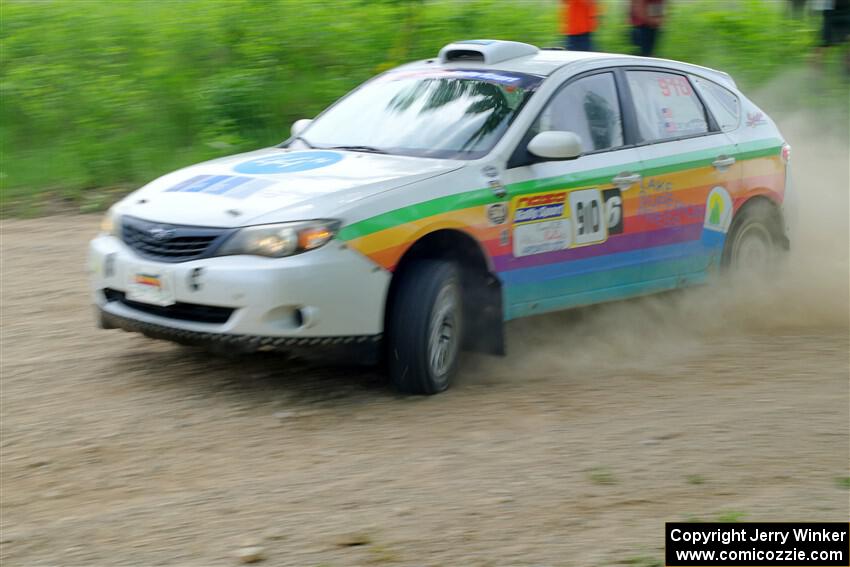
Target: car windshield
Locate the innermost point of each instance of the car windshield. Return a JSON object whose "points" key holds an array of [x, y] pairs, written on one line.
{"points": [[456, 114]]}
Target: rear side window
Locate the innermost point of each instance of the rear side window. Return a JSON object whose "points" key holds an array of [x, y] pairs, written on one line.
{"points": [[666, 105], [723, 103], [590, 108]]}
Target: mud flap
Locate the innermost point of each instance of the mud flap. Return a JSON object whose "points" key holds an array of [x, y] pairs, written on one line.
{"points": [[101, 321], [485, 327]]}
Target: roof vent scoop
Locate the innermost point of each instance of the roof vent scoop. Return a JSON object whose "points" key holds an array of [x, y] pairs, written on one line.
{"points": [[486, 51]]}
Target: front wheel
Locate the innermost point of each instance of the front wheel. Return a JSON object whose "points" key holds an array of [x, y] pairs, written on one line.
{"points": [[425, 327]]}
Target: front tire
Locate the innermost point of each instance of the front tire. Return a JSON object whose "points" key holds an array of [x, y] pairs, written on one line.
{"points": [[425, 327]]}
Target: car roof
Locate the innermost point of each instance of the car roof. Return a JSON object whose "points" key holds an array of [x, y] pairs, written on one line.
{"points": [[547, 61]]}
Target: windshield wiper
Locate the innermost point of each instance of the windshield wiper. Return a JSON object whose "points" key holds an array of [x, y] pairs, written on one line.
{"points": [[368, 149]]}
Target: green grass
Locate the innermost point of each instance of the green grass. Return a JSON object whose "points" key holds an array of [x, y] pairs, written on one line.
{"points": [[602, 475], [379, 554], [104, 94], [695, 479], [643, 561], [843, 482], [731, 516], [355, 539]]}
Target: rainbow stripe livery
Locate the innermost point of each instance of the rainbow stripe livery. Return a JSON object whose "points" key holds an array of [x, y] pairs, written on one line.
{"points": [[668, 233]]}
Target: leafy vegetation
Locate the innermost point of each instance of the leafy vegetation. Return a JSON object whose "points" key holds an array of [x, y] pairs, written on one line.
{"points": [[731, 516], [643, 561], [112, 94], [696, 479], [602, 475]]}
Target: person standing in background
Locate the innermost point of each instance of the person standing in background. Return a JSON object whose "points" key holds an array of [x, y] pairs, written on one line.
{"points": [[835, 28], [646, 18], [798, 7], [578, 22]]}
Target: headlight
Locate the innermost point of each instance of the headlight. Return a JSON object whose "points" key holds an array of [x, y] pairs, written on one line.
{"points": [[279, 240], [110, 224]]}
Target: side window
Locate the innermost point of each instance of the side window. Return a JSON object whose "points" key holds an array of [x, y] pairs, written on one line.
{"points": [[590, 108], [723, 103], [666, 106]]}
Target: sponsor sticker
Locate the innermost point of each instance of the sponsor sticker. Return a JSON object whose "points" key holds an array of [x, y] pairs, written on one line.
{"points": [[488, 76], [667, 120], [231, 186], [497, 213], [148, 286], [532, 208], [755, 119], [289, 162], [497, 188], [490, 171], [542, 237], [505, 79], [718, 210], [149, 280]]}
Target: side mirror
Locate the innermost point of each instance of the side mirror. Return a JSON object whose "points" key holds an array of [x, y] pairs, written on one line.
{"points": [[555, 145], [299, 126]]}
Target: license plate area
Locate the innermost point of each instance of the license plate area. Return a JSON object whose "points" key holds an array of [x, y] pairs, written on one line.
{"points": [[150, 285]]}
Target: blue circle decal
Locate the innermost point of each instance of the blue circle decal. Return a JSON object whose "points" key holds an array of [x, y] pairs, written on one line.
{"points": [[289, 162]]}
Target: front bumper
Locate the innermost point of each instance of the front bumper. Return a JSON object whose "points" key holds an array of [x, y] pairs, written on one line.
{"points": [[229, 341], [332, 295]]}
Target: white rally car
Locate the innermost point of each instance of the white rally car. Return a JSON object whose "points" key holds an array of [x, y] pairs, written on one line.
{"points": [[444, 197]]}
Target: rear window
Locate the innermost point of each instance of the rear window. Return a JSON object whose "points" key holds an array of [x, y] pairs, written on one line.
{"points": [[666, 106], [723, 103]]}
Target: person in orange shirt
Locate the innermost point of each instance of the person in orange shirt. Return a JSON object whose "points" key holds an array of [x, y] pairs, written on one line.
{"points": [[578, 22]]}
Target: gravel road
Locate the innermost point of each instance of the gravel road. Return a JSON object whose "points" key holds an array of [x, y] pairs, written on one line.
{"points": [[575, 450], [727, 402]]}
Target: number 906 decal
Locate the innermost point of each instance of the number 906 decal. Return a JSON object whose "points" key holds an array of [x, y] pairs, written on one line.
{"points": [[588, 217], [557, 220]]}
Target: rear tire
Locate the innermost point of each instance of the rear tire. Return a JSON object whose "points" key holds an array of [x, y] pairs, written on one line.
{"points": [[425, 327], [753, 245]]}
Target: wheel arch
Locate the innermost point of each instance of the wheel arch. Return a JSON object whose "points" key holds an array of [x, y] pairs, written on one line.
{"points": [[481, 287], [758, 193], [765, 205], [771, 201]]}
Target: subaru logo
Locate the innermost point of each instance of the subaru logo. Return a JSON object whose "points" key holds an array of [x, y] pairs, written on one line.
{"points": [[161, 233]]}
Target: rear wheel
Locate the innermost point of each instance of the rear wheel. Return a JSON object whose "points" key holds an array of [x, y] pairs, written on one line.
{"points": [[753, 244], [425, 327]]}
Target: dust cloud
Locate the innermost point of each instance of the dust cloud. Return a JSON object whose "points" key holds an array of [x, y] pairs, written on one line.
{"points": [[809, 295]]}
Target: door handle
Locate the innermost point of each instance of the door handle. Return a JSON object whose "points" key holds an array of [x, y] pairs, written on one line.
{"points": [[625, 180], [722, 162]]}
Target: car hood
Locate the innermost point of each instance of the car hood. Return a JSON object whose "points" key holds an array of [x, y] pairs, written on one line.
{"points": [[275, 185]]}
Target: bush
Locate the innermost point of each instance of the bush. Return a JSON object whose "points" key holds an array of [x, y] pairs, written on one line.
{"points": [[104, 93]]}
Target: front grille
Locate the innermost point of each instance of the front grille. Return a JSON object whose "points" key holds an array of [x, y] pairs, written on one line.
{"points": [[171, 243], [182, 311]]}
